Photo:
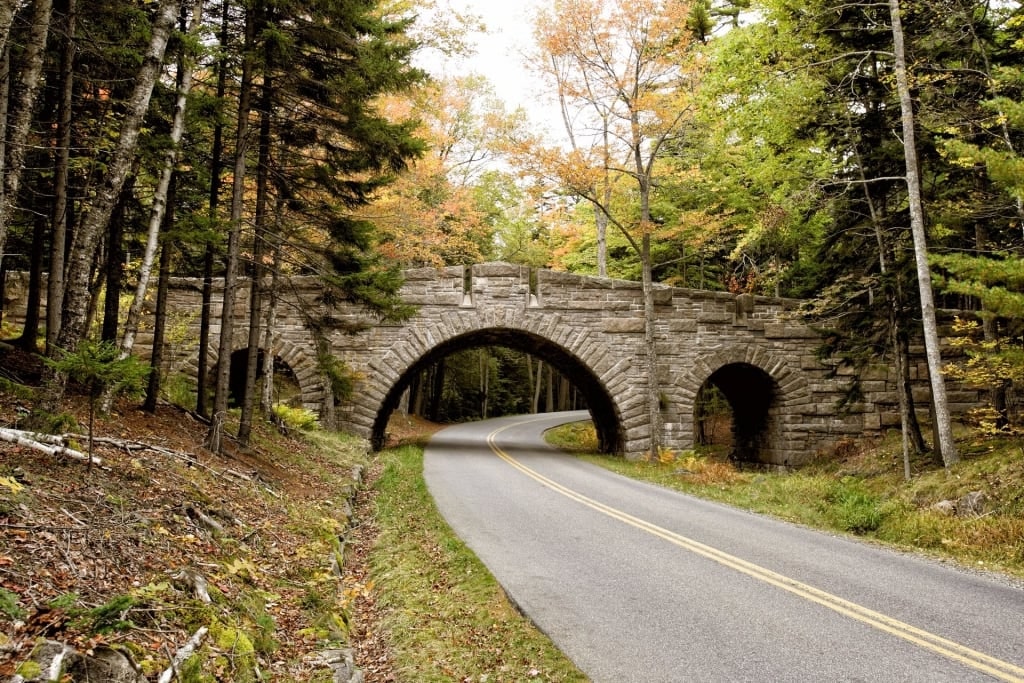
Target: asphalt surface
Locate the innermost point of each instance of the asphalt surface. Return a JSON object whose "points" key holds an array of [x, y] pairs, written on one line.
{"points": [[637, 583]]}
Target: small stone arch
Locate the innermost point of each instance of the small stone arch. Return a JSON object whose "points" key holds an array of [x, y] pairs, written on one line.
{"points": [[767, 396], [579, 354], [302, 362]]}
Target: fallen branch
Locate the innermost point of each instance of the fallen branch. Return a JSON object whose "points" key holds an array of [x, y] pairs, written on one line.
{"points": [[181, 655], [205, 520], [50, 444]]}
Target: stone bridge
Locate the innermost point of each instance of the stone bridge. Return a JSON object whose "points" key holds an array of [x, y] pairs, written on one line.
{"points": [[752, 348]]}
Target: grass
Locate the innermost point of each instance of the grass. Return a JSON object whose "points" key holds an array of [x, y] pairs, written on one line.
{"points": [[860, 490], [447, 617]]}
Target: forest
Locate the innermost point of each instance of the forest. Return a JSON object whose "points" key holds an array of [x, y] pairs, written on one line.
{"points": [[860, 156]]}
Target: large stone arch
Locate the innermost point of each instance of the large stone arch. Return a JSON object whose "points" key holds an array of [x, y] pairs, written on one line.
{"points": [[577, 351], [299, 358], [784, 391]]}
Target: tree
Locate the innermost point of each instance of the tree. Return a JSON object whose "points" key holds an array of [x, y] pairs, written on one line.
{"points": [[99, 211], [15, 133], [158, 208], [101, 369], [626, 71], [944, 429], [215, 433]]}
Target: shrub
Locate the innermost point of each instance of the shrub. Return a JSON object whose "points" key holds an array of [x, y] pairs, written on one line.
{"points": [[853, 507], [297, 418]]}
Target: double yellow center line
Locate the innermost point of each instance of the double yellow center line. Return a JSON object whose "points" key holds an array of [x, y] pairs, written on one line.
{"points": [[979, 661]]}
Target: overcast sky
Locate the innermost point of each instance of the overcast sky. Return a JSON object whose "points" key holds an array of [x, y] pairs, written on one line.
{"points": [[499, 56]]}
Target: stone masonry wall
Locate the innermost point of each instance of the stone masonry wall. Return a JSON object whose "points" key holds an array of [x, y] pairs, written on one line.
{"points": [[593, 325]]}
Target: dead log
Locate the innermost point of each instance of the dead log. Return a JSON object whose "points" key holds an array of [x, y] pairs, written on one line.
{"points": [[50, 444], [181, 655]]}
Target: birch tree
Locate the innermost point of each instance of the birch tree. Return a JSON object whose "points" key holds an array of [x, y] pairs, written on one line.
{"points": [[943, 423], [625, 73], [159, 205], [99, 211]]}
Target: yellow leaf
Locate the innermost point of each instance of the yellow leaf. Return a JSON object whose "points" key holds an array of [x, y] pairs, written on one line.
{"points": [[12, 484]]}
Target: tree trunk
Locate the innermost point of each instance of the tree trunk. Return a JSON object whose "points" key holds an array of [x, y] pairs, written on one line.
{"points": [[19, 120], [30, 332], [67, 11], [549, 393], [601, 223], [944, 429], [894, 300], [485, 367], [535, 407], [159, 209], [437, 391], [216, 165], [88, 235], [653, 387], [7, 9], [225, 344], [156, 362], [267, 397], [258, 248], [113, 266]]}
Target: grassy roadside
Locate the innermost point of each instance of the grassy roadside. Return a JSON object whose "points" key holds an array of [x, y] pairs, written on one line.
{"points": [[861, 491], [445, 615]]}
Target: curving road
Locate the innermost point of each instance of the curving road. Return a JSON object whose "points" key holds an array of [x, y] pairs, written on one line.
{"points": [[637, 583]]}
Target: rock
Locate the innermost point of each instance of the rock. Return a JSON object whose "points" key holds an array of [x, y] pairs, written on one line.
{"points": [[105, 664], [971, 505], [945, 507]]}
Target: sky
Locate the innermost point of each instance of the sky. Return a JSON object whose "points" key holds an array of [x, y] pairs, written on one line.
{"points": [[499, 56]]}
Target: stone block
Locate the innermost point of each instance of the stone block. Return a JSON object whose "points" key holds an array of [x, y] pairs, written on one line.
{"points": [[622, 325]]}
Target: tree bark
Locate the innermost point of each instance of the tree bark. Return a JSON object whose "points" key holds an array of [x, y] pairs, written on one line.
{"points": [[30, 332], [944, 429], [158, 209], [267, 398], [156, 361], [113, 265], [67, 12], [7, 10], [216, 165], [20, 114], [101, 208], [225, 344], [258, 248]]}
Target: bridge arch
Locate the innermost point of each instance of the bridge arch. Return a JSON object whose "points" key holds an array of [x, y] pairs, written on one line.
{"points": [[297, 357], [766, 396], [576, 352]]}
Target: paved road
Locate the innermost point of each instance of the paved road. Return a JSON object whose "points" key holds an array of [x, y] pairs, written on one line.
{"points": [[637, 583]]}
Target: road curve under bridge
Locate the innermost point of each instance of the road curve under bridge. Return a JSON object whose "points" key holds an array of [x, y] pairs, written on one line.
{"points": [[638, 583]]}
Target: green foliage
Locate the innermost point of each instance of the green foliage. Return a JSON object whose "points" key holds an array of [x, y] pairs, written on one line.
{"points": [[179, 390], [9, 605], [297, 418], [238, 654], [340, 376], [66, 602], [995, 281], [852, 507], [98, 367], [263, 641], [111, 616], [16, 389]]}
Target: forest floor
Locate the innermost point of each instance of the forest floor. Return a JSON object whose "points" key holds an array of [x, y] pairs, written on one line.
{"points": [[104, 556]]}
